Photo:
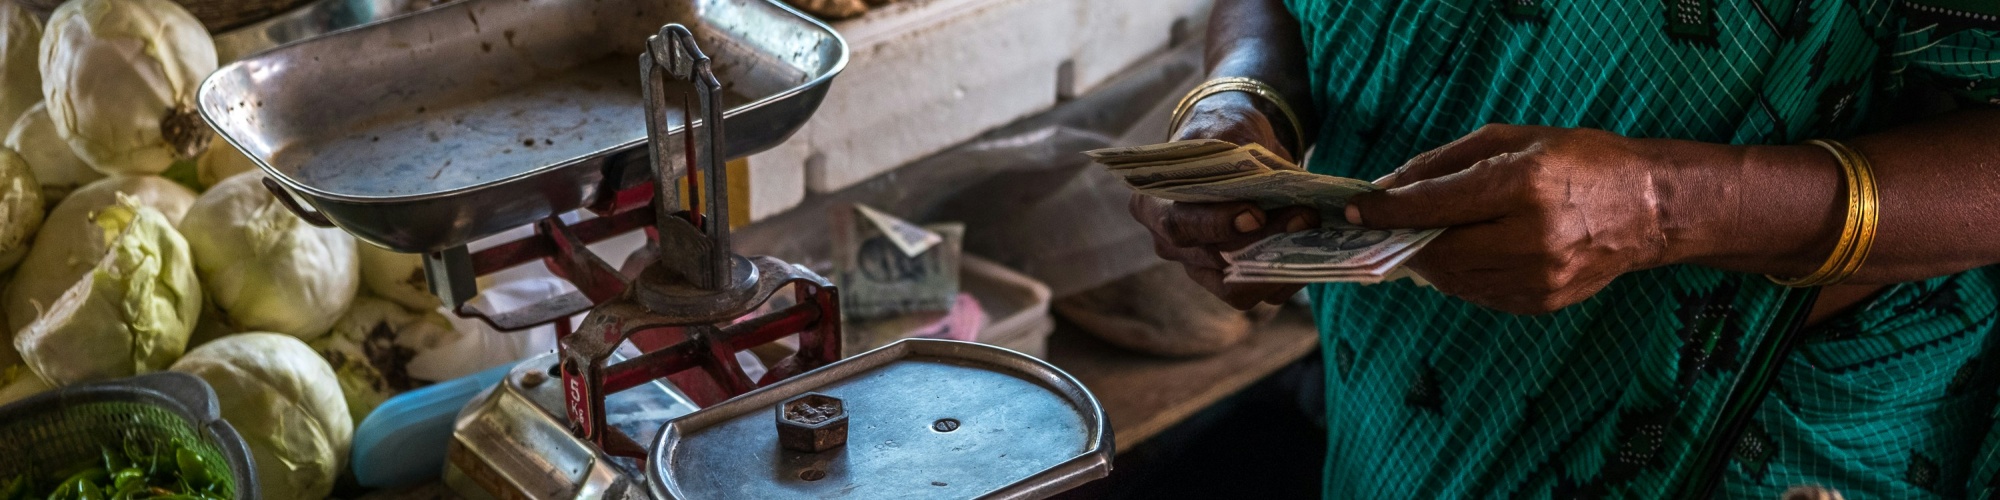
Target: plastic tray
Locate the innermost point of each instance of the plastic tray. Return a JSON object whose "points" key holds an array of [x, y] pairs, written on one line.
{"points": [[1017, 304]]}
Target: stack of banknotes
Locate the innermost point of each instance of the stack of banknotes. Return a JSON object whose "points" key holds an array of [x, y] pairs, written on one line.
{"points": [[1213, 171]]}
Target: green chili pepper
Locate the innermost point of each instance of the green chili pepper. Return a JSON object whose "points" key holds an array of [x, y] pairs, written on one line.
{"points": [[82, 486], [133, 470], [15, 489]]}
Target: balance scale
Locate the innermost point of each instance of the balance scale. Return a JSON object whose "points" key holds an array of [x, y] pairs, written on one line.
{"points": [[425, 132]]}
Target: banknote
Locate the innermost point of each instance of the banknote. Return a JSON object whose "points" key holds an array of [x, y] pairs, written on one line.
{"points": [[1363, 269], [1270, 159], [1263, 157], [879, 279], [1226, 165], [1333, 247], [1400, 273], [1364, 278], [1212, 171], [1273, 189], [1384, 254], [910, 238], [1166, 151]]}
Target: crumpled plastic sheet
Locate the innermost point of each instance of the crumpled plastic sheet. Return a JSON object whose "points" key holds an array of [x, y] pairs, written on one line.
{"points": [[479, 346], [1030, 200]]}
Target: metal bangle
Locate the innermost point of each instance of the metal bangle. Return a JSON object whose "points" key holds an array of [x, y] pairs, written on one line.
{"points": [[1871, 213], [1239, 84], [1857, 235]]}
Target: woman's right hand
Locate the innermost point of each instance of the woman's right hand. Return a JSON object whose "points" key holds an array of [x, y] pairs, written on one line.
{"points": [[1195, 234]]}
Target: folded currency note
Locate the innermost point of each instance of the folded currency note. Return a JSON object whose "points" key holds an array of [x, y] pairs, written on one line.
{"points": [[1212, 171], [1337, 252], [887, 267]]}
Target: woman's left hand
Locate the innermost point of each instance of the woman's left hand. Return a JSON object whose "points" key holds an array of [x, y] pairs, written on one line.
{"points": [[1541, 218]]}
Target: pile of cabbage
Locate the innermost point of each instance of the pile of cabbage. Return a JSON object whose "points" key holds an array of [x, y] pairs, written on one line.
{"points": [[132, 242]]}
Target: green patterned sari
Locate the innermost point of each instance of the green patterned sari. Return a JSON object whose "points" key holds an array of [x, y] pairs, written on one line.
{"points": [[1618, 396]]}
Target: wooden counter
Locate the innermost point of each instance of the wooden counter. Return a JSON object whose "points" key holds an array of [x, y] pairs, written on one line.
{"points": [[1145, 394]]}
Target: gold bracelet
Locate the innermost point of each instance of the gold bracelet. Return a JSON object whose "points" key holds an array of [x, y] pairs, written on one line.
{"points": [[1857, 234], [1239, 84], [1871, 203]]}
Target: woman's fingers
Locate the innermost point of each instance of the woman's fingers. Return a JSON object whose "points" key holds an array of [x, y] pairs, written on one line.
{"points": [[1486, 142], [1205, 224], [1477, 194], [1189, 256], [1241, 296], [1283, 220]]}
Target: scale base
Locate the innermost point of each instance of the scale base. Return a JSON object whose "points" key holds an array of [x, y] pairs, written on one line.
{"points": [[512, 442]]}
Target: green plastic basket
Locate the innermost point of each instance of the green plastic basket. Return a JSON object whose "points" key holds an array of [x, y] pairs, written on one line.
{"points": [[69, 427]]}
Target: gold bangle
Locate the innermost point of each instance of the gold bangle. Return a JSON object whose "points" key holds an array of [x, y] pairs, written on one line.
{"points": [[1857, 234], [1845, 244], [1872, 206], [1239, 84]]}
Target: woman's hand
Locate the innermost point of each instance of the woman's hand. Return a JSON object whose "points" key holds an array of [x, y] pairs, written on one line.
{"points": [[1541, 218], [1195, 234]]}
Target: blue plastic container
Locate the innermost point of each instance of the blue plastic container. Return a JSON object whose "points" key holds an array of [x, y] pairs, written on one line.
{"points": [[403, 442]]}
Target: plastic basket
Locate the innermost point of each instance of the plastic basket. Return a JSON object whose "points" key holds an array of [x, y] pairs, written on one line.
{"points": [[68, 428]]}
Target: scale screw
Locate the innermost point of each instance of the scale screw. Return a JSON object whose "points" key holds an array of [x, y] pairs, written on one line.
{"points": [[945, 425]]}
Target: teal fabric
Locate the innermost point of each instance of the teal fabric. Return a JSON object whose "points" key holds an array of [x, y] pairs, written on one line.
{"points": [[1428, 395]]}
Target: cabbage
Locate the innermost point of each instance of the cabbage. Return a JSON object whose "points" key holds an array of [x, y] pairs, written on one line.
{"points": [[20, 216], [120, 77], [221, 162], [69, 245], [210, 327], [55, 166], [20, 81], [369, 353], [285, 402], [20, 208], [8, 356], [130, 315], [266, 269], [398, 277]]}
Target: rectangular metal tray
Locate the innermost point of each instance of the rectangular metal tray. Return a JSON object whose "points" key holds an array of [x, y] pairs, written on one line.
{"points": [[427, 131], [1018, 428]]}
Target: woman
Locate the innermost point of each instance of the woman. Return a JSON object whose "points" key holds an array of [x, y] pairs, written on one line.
{"points": [[1604, 278]]}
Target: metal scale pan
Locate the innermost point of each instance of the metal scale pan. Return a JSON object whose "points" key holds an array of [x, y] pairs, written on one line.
{"points": [[923, 419], [427, 131]]}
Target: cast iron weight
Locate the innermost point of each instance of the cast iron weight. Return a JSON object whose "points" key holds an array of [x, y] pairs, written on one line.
{"points": [[812, 423]]}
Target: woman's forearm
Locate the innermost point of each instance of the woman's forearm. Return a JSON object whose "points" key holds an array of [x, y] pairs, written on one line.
{"points": [[1782, 210], [1259, 39]]}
